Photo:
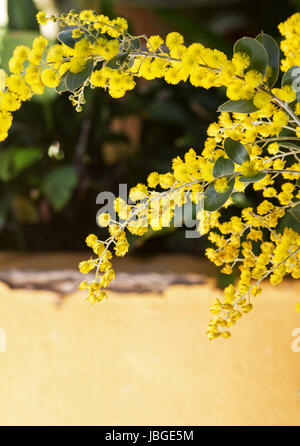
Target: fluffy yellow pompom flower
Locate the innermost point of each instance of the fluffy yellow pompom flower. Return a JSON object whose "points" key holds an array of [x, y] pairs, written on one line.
{"points": [[77, 64], [21, 53], [241, 61], [55, 54], [154, 43], [50, 78], [248, 169], [9, 101], [82, 48], [41, 18], [285, 93], [40, 43], [174, 40], [273, 148], [103, 219], [221, 185], [98, 78], [76, 33], [261, 98], [86, 266], [153, 179], [118, 26], [17, 84], [87, 15], [253, 78], [291, 45], [91, 240], [111, 49]]}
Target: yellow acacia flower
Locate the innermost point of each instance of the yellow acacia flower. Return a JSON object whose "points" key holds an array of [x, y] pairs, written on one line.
{"points": [[221, 185], [50, 77], [103, 219], [154, 43], [173, 40], [285, 93], [41, 18], [291, 45]]}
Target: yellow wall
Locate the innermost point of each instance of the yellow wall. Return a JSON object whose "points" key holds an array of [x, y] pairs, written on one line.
{"points": [[144, 360]]}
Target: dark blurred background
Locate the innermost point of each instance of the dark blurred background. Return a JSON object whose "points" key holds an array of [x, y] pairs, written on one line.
{"points": [[56, 161]]}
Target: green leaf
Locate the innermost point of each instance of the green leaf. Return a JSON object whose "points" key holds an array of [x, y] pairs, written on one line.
{"points": [[288, 221], [214, 200], [295, 211], [62, 86], [289, 145], [66, 37], [75, 80], [255, 50], [59, 184], [223, 166], [290, 75], [15, 159], [273, 52], [24, 157], [239, 106], [116, 62], [259, 176], [134, 45], [241, 200], [236, 151]]}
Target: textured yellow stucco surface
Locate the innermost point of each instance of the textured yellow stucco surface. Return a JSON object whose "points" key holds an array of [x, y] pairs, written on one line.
{"points": [[144, 359]]}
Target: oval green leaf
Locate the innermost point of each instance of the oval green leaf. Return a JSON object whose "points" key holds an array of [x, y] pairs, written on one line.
{"points": [[66, 37], [236, 151], [290, 75], [213, 200], [116, 62], [288, 221], [273, 53], [223, 166], [239, 106], [62, 86], [259, 176], [255, 50], [295, 211], [134, 44]]}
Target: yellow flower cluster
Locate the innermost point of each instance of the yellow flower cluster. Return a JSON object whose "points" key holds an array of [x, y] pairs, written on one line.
{"points": [[254, 144], [291, 44], [250, 242], [33, 69]]}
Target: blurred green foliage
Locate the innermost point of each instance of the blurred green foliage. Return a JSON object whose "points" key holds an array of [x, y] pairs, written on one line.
{"points": [[56, 161]]}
